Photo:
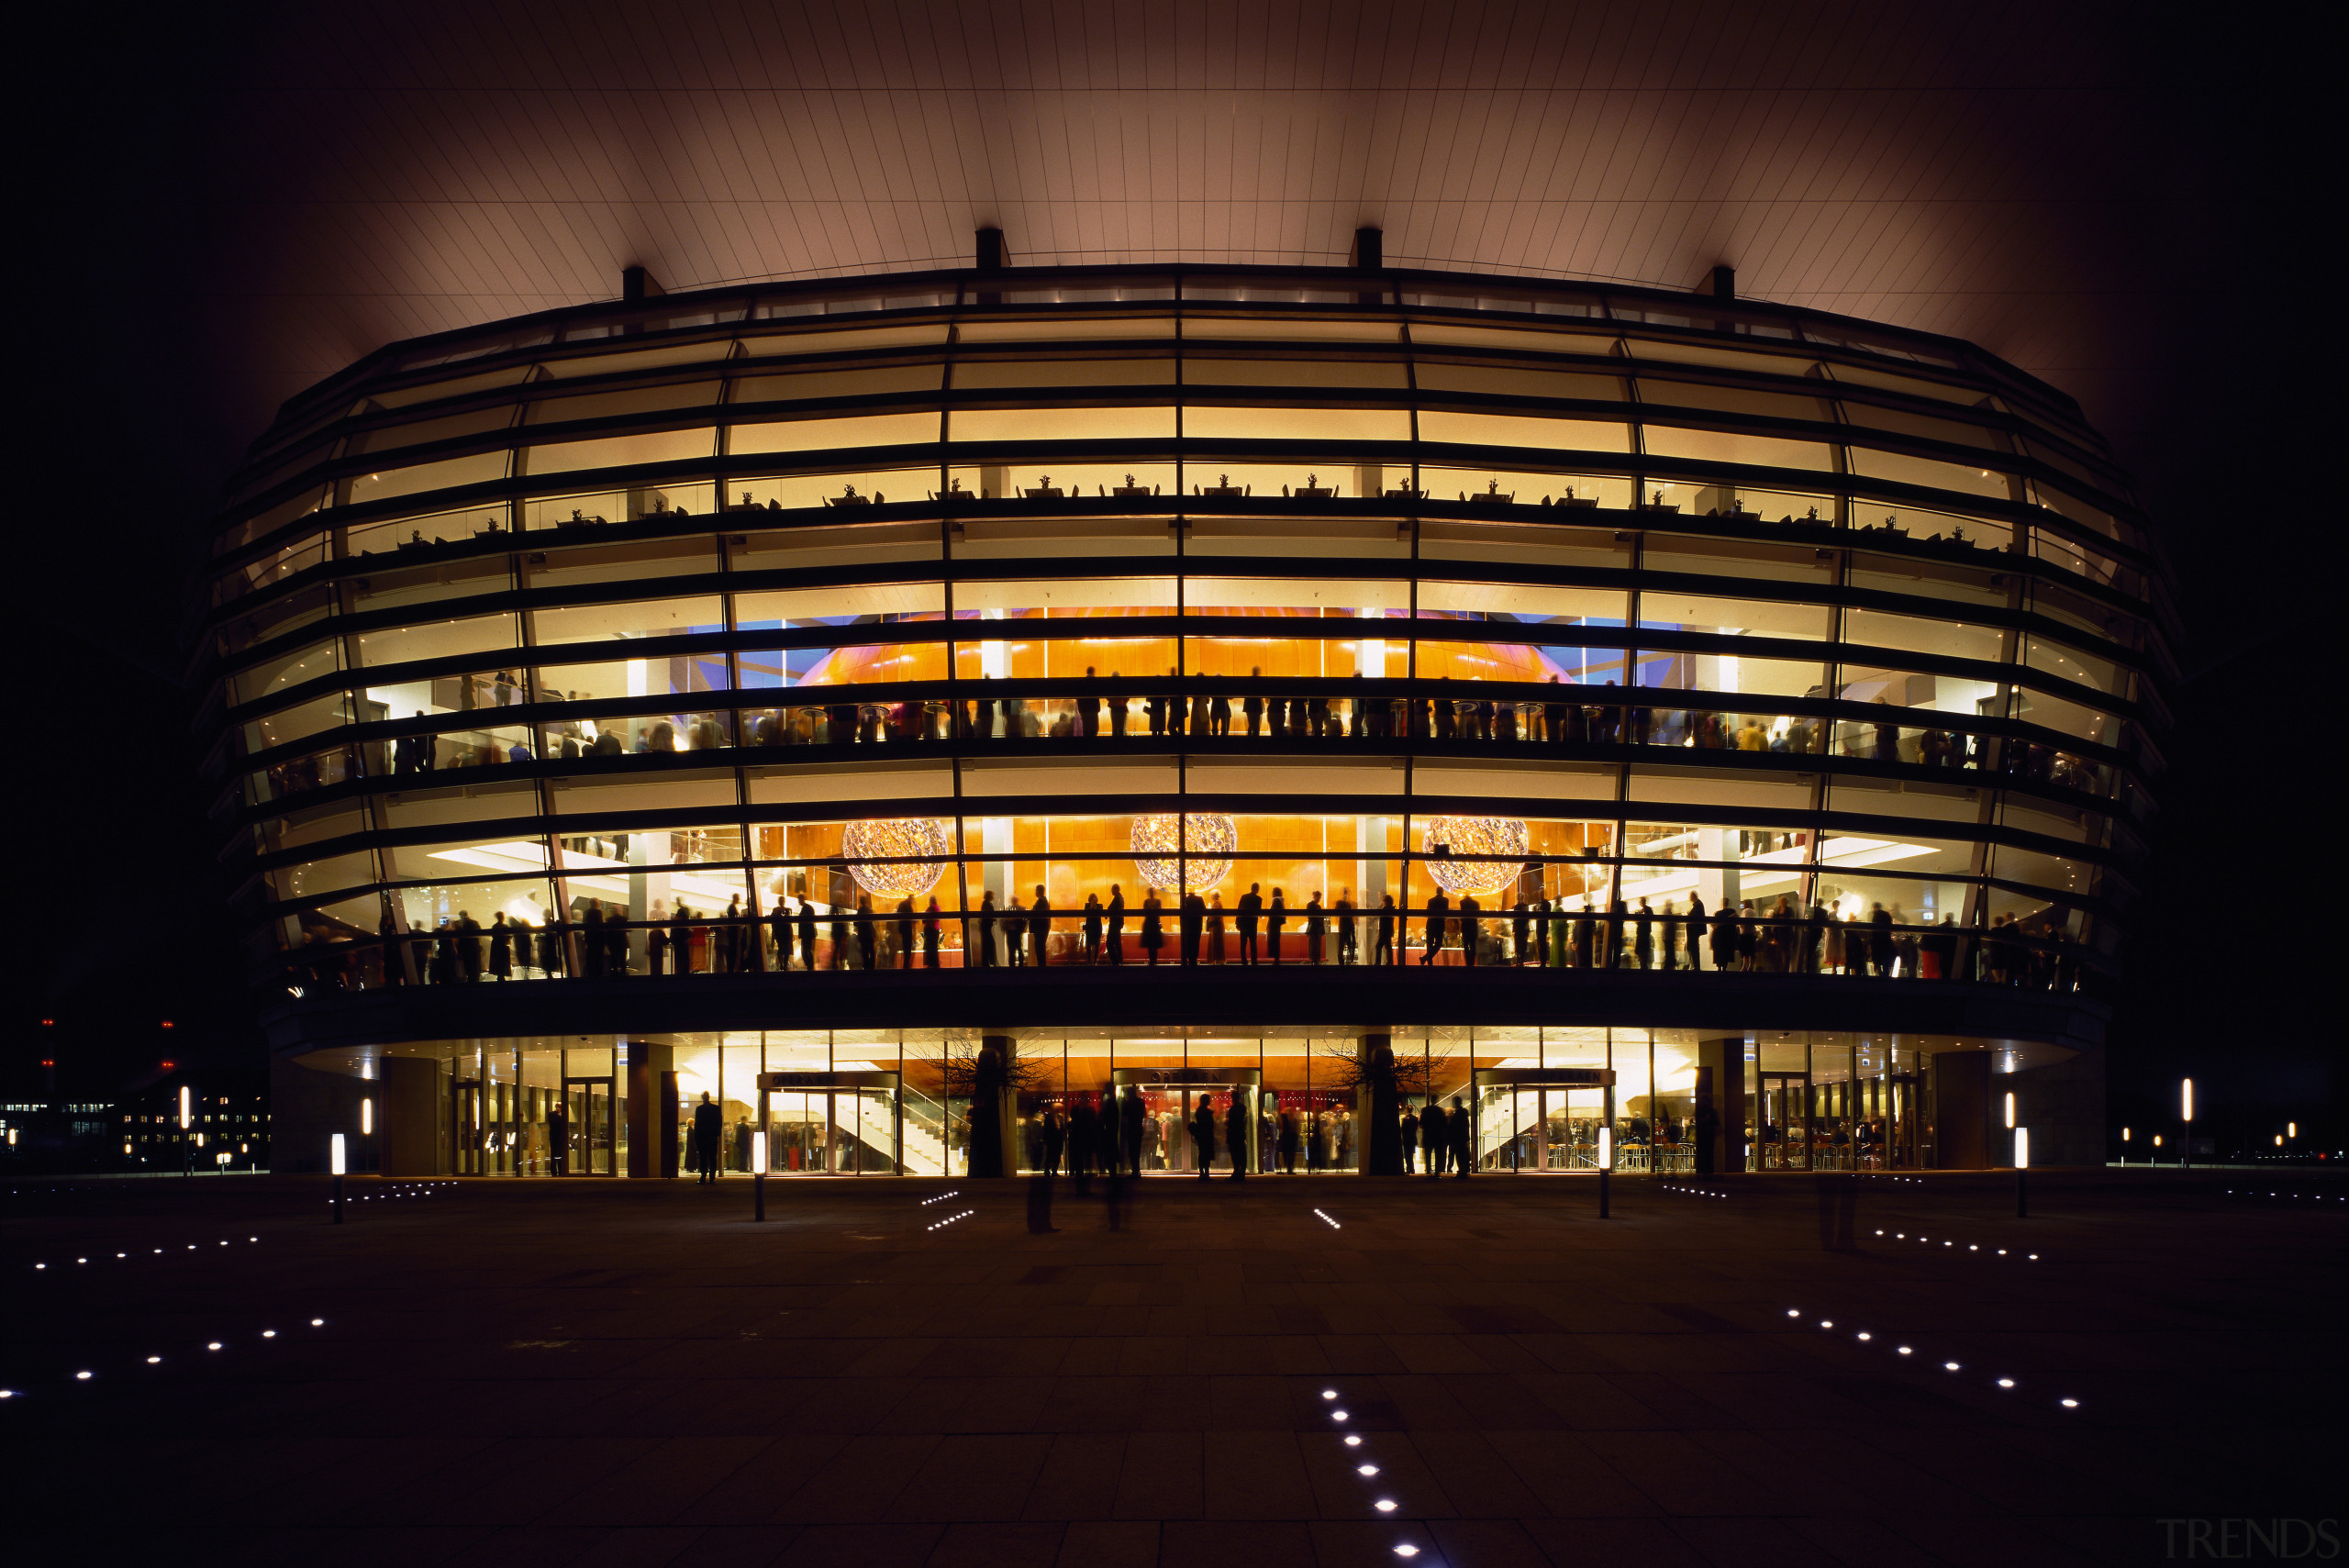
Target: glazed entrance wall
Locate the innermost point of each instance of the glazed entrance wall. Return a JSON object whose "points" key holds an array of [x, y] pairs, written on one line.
{"points": [[899, 1102]]}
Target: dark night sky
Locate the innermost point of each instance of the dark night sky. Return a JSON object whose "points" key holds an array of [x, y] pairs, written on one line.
{"points": [[136, 421]]}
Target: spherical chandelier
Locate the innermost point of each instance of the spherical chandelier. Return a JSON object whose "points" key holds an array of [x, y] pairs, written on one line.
{"points": [[917, 845], [1158, 840], [1478, 855]]}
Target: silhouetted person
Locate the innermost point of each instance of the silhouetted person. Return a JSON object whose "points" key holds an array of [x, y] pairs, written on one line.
{"points": [[1382, 951], [708, 1124], [1438, 924], [1410, 1128], [1250, 904], [1191, 918], [1470, 928], [1235, 1133], [987, 930], [1132, 1114], [1275, 917], [1203, 1134], [1039, 925], [1154, 927], [1459, 1127], [1432, 1139], [1055, 1139], [558, 1141], [1117, 924], [868, 935]]}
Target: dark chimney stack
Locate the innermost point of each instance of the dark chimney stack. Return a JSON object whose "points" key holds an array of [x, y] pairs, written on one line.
{"points": [[991, 251], [637, 284], [1369, 250], [1720, 283]]}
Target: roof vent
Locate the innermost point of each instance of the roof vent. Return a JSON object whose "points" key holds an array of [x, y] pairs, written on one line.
{"points": [[1720, 283], [637, 284], [1369, 250], [991, 251]]}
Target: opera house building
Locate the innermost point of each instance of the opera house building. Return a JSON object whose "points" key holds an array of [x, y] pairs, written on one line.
{"points": [[938, 714]]}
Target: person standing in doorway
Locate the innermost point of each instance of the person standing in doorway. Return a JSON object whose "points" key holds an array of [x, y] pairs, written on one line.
{"points": [[1055, 1137], [1203, 1135], [1461, 1130], [1131, 1112], [709, 1125], [1235, 1133], [558, 1140], [1410, 1128], [1432, 1139]]}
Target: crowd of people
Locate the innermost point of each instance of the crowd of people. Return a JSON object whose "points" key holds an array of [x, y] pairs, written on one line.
{"points": [[1748, 937], [1210, 709]]}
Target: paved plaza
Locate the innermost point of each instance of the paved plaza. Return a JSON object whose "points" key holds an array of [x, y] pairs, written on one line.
{"points": [[905, 1373]]}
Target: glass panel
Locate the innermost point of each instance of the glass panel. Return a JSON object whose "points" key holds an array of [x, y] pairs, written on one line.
{"points": [[1151, 424], [388, 588], [849, 605], [2072, 664], [624, 562], [826, 435], [2069, 717], [1520, 381], [1509, 542], [622, 677], [1140, 370], [1449, 426], [289, 724], [1942, 694], [1729, 672], [1321, 537], [1736, 557], [851, 665], [283, 670], [435, 639], [1197, 371], [1900, 420], [1671, 611], [863, 381], [1914, 634], [1144, 326], [433, 391], [417, 433], [1733, 400], [1211, 422], [1342, 598], [1897, 574], [620, 451], [1730, 446], [639, 618], [1493, 486], [678, 498], [1063, 598], [1930, 471], [479, 469]]}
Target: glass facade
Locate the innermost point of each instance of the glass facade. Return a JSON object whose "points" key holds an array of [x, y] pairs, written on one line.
{"points": [[970, 625]]}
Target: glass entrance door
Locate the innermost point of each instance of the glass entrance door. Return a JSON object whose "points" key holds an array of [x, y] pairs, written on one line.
{"points": [[590, 1110], [1784, 1140], [849, 1128]]}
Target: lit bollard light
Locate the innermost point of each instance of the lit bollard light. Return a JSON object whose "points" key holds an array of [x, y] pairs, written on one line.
{"points": [[335, 1163], [759, 1175], [2022, 1172], [1605, 1165]]}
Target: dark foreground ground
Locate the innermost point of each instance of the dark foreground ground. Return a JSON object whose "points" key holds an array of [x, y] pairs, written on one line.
{"points": [[534, 1372]]}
